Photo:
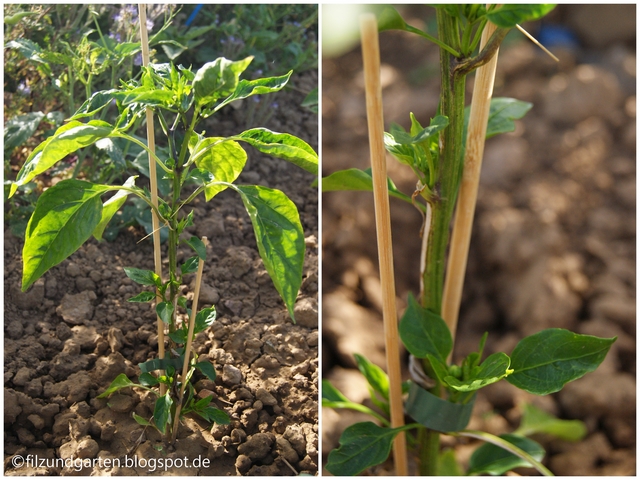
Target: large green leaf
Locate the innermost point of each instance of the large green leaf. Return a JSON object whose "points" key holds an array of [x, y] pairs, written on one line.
{"points": [[494, 460], [494, 368], [423, 332], [260, 86], [282, 145], [19, 129], [162, 412], [362, 445], [535, 420], [223, 158], [358, 180], [218, 79], [65, 217], [66, 140], [544, 362], [510, 15], [96, 102], [279, 236]]}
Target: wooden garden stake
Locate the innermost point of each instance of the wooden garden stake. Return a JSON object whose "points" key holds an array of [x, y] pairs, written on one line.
{"points": [[187, 351], [144, 43], [463, 222], [371, 58]]}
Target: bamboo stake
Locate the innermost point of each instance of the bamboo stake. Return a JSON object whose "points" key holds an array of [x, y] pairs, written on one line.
{"points": [[187, 351], [144, 43], [461, 234], [371, 57]]}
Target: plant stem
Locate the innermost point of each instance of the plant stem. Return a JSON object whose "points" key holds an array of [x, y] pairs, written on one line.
{"points": [[157, 256], [461, 233], [429, 441], [371, 56]]}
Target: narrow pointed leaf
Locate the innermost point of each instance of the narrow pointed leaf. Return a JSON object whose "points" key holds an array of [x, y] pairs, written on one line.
{"points": [[359, 180], [423, 332], [544, 362], [215, 415], [260, 86], [535, 420], [190, 266], [492, 459], [143, 297], [111, 207], [279, 236], [65, 217], [147, 380], [282, 145], [198, 246], [375, 376], [362, 445], [121, 381]]}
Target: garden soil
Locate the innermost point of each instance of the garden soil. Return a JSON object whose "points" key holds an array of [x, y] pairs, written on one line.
{"points": [[554, 238], [71, 334]]}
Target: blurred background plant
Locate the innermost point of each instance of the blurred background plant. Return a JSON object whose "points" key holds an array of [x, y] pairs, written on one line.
{"points": [[57, 56]]}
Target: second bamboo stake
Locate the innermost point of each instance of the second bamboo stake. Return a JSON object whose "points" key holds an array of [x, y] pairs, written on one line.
{"points": [[371, 57]]}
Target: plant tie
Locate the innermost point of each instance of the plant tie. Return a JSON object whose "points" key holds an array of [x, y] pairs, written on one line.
{"points": [[417, 374]]}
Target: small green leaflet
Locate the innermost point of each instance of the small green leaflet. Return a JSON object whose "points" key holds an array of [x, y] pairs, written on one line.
{"points": [[143, 277], [121, 381], [423, 332], [162, 412], [494, 460]]}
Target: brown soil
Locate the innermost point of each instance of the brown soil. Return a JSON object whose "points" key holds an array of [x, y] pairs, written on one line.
{"points": [[69, 336], [554, 237]]}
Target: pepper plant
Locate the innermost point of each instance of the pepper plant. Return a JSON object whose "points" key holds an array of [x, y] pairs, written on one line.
{"points": [[70, 212], [441, 394]]}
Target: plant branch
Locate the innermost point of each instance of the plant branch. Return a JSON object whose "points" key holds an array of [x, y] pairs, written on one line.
{"points": [[486, 53]]}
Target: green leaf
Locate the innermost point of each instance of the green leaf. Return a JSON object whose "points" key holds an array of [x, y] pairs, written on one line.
{"points": [[333, 398], [162, 412], [359, 180], [16, 17], [439, 368], [448, 465], [282, 145], [510, 15], [190, 265], [375, 376], [160, 364], [66, 140], [279, 236], [535, 420], [111, 207], [147, 380], [121, 381], [494, 460], [143, 297], [143, 277], [260, 86], [311, 101], [198, 246], [223, 158], [165, 311], [544, 362], [213, 414], [179, 336], [64, 218], [141, 421], [19, 129], [206, 368], [494, 368], [204, 319], [96, 102], [362, 445], [218, 79], [423, 332], [30, 50]]}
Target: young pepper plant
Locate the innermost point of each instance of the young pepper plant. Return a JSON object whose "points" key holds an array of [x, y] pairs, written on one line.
{"points": [[441, 395], [70, 212]]}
